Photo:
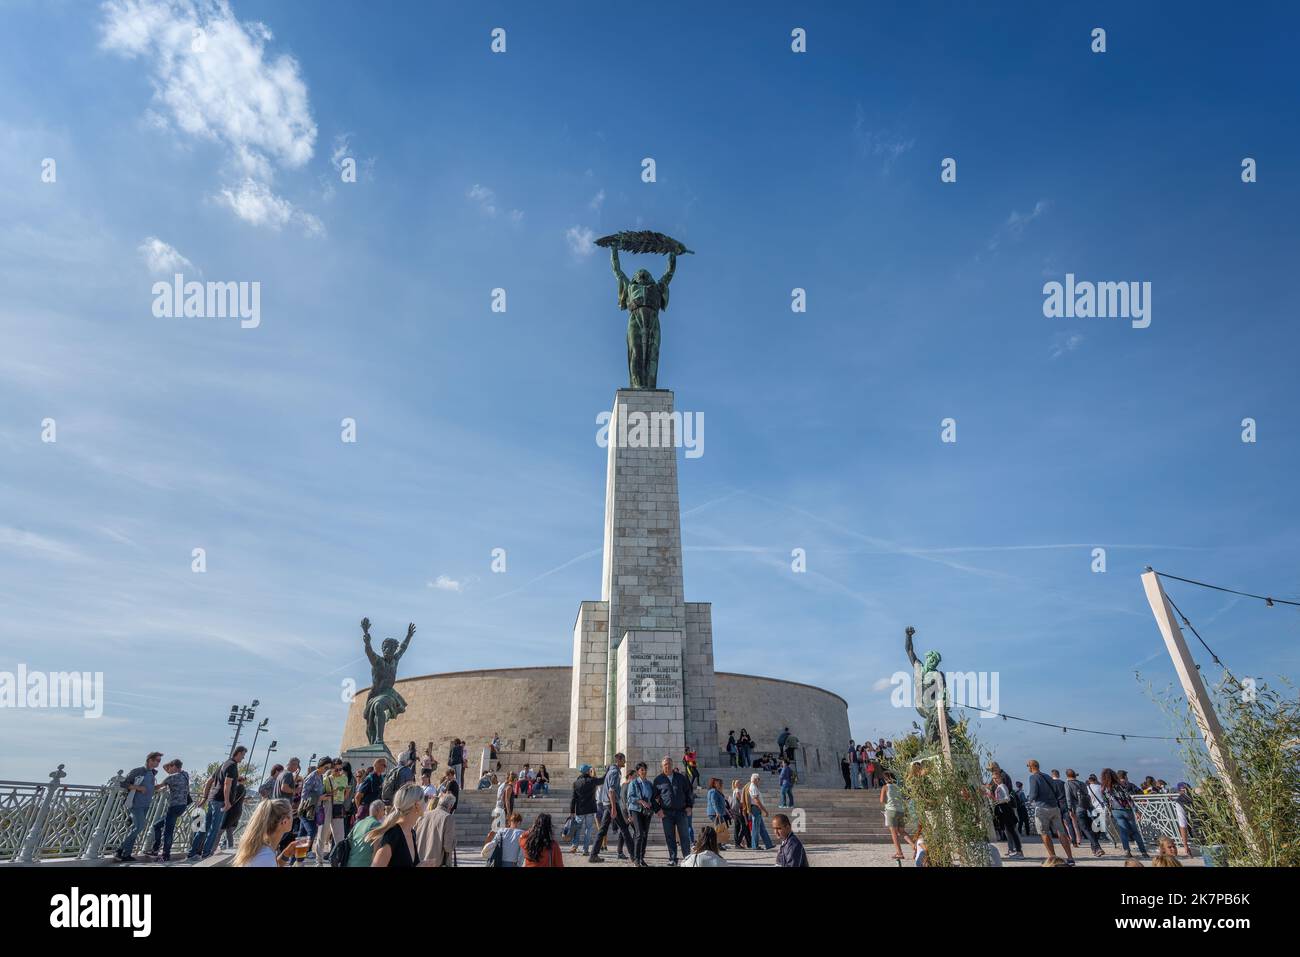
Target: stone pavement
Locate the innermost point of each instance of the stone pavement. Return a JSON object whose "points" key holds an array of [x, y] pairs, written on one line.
{"points": [[821, 855]]}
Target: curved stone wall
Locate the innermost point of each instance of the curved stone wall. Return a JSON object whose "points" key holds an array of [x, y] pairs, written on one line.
{"points": [[529, 708], [520, 704]]}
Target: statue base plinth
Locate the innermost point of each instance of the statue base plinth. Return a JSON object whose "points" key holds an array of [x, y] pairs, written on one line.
{"points": [[364, 756]]}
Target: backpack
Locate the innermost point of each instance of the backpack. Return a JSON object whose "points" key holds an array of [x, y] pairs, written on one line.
{"points": [[389, 790], [340, 853], [266, 787]]}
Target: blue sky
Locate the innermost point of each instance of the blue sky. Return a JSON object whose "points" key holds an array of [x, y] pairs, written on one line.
{"points": [[476, 429]]}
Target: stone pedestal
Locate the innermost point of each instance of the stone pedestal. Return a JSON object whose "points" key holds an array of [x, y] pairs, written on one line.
{"points": [[649, 698], [364, 756], [642, 598]]}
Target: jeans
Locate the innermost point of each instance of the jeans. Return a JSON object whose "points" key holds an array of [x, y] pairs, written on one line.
{"points": [[1007, 821], [1071, 834], [757, 829], [138, 814], [641, 832], [165, 828], [787, 795], [1085, 828], [212, 828], [1127, 826], [857, 776], [676, 831], [739, 830], [583, 826], [608, 820]]}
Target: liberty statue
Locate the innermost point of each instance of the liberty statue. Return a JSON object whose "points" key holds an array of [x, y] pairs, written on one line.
{"points": [[643, 297]]}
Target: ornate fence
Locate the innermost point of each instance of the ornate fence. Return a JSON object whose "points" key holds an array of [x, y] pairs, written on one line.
{"points": [[1159, 819], [55, 821]]}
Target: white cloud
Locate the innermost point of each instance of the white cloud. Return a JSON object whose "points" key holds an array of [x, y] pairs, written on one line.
{"points": [[881, 143], [443, 583], [1015, 225], [255, 203], [598, 200], [214, 80], [162, 257], [1065, 342], [485, 197], [580, 241]]}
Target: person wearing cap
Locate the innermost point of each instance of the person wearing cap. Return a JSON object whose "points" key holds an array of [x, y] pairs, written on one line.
{"points": [[615, 814], [582, 808]]}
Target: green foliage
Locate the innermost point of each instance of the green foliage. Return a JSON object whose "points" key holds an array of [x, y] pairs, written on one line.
{"points": [[946, 800], [1262, 736]]}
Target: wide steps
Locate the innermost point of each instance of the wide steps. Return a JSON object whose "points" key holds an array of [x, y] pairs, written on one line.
{"points": [[829, 816]]}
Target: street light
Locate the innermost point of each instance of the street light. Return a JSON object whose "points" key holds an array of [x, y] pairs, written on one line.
{"points": [[238, 715], [267, 762], [260, 728]]}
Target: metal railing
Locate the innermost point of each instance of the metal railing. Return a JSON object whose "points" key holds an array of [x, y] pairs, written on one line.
{"points": [[56, 821]]}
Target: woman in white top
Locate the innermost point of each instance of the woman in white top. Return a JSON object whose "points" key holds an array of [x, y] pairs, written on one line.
{"points": [[262, 836], [705, 853]]}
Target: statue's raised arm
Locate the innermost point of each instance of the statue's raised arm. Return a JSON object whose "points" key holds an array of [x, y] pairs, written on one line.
{"points": [[911, 654], [410, 631], [667, 277], [618, 268], [365, 639]]}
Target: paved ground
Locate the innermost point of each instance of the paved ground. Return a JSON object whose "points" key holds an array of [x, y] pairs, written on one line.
{"points": [[819, 855], [829, 855]]}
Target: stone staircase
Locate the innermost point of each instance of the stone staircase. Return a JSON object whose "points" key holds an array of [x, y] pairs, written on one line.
{"points": [[829, 816]]}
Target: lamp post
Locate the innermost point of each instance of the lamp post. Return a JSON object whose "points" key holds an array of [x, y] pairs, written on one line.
{"points": [[237, 717], [267, 762], [260, 728]]}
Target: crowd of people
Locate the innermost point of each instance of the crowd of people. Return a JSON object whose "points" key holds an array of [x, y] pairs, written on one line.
{"points": [[1070, 812], [377, 816]]}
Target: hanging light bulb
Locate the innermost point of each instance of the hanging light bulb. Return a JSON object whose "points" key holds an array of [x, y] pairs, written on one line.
{"points": [[1123, 737], [1269, 602]]}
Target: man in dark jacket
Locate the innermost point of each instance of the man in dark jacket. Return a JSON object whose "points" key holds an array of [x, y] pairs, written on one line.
{"points": [[582, 805], [791, 852], [674, 800]]}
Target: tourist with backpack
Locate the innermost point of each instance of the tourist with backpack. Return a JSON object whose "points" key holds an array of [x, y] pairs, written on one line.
{"points": [[139, 785], [1079, 802], [177, 784], [309, 805], [361, 852], [582, 809]]}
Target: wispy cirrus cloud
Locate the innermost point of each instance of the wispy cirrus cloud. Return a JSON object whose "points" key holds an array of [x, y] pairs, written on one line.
{"points": [[1014, 227], [884, 144]]}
